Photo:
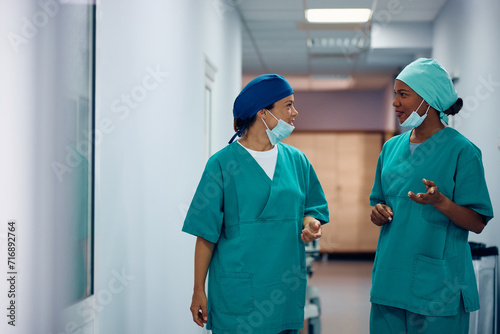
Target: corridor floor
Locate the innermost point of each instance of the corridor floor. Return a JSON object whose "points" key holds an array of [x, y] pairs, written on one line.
{"points": [[344, 288]]}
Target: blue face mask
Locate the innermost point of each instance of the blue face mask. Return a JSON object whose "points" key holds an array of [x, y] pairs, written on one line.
{"points": [[414, 120], [280, 131]]}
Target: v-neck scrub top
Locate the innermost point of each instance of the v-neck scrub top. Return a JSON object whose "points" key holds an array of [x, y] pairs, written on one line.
{"points": [[423, 261], [265, 159], [257, 274]]}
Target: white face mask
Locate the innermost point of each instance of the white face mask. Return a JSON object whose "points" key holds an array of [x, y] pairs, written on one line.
{"points": [[414, 120], [280, 131]]}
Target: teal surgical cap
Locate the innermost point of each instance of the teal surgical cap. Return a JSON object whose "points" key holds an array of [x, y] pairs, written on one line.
{"points": [[259, 93], [428, 78]]}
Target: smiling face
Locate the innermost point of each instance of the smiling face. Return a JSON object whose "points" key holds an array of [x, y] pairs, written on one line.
{"points": [[406, 101], [284, 109]]}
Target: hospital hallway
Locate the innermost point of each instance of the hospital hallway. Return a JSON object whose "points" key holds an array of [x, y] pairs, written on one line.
{"points": [[344, 288], [120, 124]]}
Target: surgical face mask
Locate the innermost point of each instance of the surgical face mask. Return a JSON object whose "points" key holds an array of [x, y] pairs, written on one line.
{"points": [[414, 120], [280, 131]]}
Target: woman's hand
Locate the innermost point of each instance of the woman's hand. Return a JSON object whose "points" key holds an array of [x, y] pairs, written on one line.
{"points": [[199, 307], [460, 215], [202, 257], [381, 214], [433, 196], [312, 229]]}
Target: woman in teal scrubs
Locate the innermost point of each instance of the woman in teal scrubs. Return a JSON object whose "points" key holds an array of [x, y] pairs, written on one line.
{"points": [[258, 201], [429, 192]]}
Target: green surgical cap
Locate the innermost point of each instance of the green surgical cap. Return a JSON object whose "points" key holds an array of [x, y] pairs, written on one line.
{"points": [[428, 78]]}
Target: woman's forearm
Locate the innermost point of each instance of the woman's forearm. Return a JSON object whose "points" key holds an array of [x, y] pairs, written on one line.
{"points": [[202, 256], [460, 215]]}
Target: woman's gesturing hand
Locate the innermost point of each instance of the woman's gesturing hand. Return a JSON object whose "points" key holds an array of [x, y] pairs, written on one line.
{"points": [[312, 229], [432, 195], [381, 214]]}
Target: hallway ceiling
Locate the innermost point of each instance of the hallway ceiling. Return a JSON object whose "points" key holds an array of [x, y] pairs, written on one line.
{"points": [[277, 39]]}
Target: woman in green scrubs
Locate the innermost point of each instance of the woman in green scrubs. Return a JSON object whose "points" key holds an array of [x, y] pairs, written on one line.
{"points": [[429, 192], [258, 201]]}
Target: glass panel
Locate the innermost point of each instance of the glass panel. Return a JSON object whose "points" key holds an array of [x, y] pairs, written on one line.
{"points": [[77, 66]]}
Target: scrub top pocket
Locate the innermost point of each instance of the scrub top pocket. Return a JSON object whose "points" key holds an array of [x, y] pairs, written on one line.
{"points": [[238, 303], [429, 279]]}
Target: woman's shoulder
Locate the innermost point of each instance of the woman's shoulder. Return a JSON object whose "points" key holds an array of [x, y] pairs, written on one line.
{"points": [[397, 140], [460, 142], [293, 155], [289, 148], [223, 161], [292, 151], [224, 154]]}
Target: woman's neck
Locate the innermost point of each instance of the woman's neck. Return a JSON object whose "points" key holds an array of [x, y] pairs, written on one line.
{"points": [[420, 135], [427, 129], [256, 139]]}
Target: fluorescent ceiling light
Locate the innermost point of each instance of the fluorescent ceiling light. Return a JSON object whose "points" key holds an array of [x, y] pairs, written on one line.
{"points": [[344, 15], [315, 83]]}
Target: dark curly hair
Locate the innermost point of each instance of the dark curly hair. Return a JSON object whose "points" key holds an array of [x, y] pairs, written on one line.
{"points": [[455, 108]]}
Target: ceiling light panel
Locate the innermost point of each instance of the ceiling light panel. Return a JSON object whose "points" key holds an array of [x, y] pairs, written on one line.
{"points": [[332, 42], [338, 15]]}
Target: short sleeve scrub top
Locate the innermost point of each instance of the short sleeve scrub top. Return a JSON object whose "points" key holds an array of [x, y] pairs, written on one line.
{"points": [[423, 261], [257, 275]]}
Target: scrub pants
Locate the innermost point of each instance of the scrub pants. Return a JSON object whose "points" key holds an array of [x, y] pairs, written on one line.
{"points": [[392, 320]]}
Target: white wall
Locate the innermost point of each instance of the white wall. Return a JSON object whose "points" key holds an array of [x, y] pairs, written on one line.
{"points": [[151, 159], [18, 198], [466, 42]]}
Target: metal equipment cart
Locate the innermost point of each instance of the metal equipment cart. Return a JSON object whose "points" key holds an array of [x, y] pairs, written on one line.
{"points": [[485, 261], [312, 310]]}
